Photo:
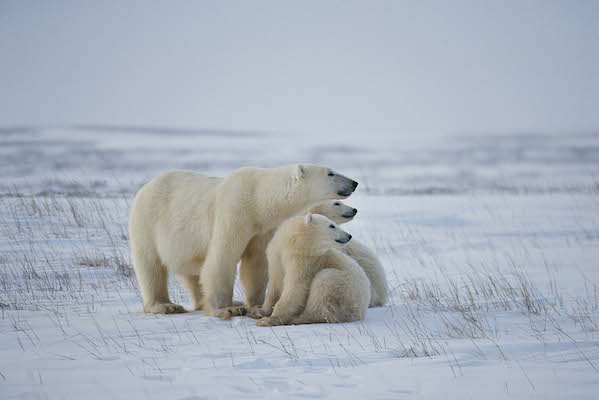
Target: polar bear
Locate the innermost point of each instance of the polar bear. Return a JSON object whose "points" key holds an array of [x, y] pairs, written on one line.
{"points": [[333, 209], [341, 213], [199, 227], [310, 281]]}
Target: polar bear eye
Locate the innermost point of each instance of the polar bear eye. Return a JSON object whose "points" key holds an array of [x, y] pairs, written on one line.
{"points": [[332, 226], [337, 204], [331, 173]]}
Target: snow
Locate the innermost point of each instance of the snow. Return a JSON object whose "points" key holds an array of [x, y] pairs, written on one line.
{"points": [[490, 245]]}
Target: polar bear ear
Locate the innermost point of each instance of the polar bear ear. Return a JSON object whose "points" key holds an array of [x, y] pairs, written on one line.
{"points": [[299, 171], [308, 218]]}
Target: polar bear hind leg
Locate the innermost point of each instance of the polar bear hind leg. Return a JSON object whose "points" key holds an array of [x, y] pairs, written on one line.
{"points": [[194, 287], [153, 283], [332, 299]]}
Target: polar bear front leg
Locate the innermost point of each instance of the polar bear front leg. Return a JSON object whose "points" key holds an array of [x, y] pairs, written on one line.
{"points": [[254, 270], [276, 275], [291, 304], [219, 272]]}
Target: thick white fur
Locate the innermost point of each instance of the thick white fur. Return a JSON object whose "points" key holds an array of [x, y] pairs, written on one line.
{"points": [[335, 210], [310, 281], [374, 271], [341, 213], [199, 227]]}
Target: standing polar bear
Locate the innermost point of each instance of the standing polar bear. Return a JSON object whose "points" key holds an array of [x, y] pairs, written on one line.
{"points": [[341, 213], [199, 227], [310, 281]]}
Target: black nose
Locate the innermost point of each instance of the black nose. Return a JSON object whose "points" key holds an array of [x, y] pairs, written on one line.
{"points": [[355, 211], [348, 238], [354, 184]]}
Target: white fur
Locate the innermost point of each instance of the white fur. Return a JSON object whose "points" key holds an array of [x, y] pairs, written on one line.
{"points": [[341, 213], [199, 227], [310, 281], [371, 265]]}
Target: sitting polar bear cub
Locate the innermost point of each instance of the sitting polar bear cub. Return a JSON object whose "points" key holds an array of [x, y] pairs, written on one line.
{"points": [[310, 281], [341, 213]]}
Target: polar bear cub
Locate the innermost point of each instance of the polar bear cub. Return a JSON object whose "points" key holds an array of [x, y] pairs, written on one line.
{"points": [[335, 210], [310, 281], [341, 213]]}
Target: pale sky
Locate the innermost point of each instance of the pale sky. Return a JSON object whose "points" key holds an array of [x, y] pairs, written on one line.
{"points": [[353, 68]]}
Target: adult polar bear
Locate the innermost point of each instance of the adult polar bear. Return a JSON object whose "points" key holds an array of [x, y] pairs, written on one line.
{"points": [[199, 227]]}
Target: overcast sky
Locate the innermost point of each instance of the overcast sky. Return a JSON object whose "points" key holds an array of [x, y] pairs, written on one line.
{"points": [[342, 67]]}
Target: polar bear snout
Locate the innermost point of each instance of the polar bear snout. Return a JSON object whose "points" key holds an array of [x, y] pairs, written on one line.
{"points": [[347, 187], [351, 213], [344, 240]]}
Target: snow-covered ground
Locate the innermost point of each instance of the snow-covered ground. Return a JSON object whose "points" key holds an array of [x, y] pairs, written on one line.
{"points": [[490, 245]]}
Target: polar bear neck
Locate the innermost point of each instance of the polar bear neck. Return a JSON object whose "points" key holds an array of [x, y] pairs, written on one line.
{"points": [[281, 197]]}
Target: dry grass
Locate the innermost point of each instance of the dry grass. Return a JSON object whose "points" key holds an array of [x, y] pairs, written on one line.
{"points": [[70, 255], [51, 238]]}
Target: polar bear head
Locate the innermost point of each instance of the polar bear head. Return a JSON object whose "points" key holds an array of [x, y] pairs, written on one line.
{"points": [[322, 183], [312, 235], [335, 210], [322, 234]]}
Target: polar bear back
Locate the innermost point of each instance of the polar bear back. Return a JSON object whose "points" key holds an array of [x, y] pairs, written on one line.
{"points": [[371, 265]]}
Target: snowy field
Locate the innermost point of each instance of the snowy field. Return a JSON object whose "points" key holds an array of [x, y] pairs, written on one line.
{"points": [[490, 244]]}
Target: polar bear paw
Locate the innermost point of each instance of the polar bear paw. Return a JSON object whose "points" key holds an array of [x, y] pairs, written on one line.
{"points": [[257, 312], [269, 321], [228, 312], [164, 308]]}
